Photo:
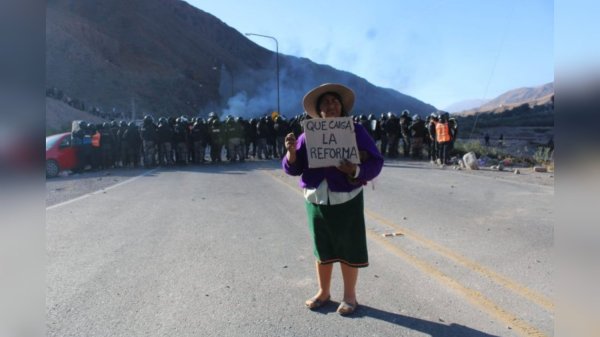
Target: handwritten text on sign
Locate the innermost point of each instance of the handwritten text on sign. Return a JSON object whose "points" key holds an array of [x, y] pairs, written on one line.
{"points": [[330, 140]]}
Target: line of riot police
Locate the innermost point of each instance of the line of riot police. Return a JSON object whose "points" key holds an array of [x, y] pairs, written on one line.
{"points": [[414, 134], [181, 141]]}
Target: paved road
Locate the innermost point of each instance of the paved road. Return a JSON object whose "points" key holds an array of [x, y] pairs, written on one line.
{"points": [[225, 251]]}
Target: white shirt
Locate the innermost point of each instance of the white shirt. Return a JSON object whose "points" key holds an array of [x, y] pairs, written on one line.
{"points": [[321, 195]]}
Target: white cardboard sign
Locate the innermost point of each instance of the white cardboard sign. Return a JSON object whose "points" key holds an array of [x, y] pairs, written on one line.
{"points": [[329, 141]]}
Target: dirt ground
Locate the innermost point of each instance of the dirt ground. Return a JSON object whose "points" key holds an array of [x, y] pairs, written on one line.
{"points": [[518, 141], [526, 175]]}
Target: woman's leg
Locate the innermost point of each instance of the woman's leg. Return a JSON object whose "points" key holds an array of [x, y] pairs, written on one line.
{"points": [[350, 276], [324, 272]]}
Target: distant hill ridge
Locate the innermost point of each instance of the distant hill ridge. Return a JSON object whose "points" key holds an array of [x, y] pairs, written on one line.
{"points": [[533, 96], [168, 58], [524, 107], [465, 105]]}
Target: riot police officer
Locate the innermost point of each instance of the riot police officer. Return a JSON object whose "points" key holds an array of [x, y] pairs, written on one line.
{"points": [[107, 144], [384, 137], [417, 135], [405, 122], [165, 139], [281, 129], [431, 135], [198, 137], [77, 138], [133, 143], [180, 137], [234, 133], [216, 142], [149, 140], [262, 131], [392, 129]]}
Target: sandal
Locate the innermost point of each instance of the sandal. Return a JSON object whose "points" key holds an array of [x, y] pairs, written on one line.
{"points": [[346, 308], [315, 302]]}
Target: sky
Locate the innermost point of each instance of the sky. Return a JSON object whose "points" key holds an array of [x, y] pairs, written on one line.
{"points": [[438, 51]]}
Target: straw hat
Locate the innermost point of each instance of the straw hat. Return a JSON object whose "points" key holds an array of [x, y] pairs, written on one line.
{"points": [[310, 99]]}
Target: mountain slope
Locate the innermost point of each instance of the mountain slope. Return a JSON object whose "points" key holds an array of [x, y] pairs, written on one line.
{"points": [[465, 105], [165, 57], [533, 96]]}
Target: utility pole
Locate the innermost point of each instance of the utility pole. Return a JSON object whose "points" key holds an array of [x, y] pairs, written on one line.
{"points": [[277, 60]]}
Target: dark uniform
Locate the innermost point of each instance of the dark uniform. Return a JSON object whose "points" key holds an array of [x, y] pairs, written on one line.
{"points": [[392, 130], [296, 125], [281, 128], [262, 131], [234, 134], [133, 143], [271, 149], [216, 140], [405, 121], [149, 136], [251, 137], [180, 137], [81, 149], [165, 140], [116, 149], [383, 135], [96, 152], [123, 154], [199, 135], [418, 132], [364, 122], [433, 149], [107, 145], [453, 125]]}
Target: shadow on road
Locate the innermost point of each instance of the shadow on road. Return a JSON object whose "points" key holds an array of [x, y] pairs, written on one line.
{"points": [[433, 329]]}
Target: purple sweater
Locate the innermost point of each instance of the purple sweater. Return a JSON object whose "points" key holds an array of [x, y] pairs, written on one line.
{"points": [[336, 179]]}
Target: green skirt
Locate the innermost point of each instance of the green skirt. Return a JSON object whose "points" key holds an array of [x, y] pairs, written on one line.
{"points": [[338, 232]]}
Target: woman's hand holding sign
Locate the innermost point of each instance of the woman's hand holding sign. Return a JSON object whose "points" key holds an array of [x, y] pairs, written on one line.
{"points": [[290, 145], [347, 167]]}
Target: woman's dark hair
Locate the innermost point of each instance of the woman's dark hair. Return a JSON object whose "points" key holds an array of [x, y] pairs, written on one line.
{"points": [[336, 95]]}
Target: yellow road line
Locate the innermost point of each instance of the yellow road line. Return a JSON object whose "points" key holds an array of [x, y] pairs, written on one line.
{"points": [[472, 295], [505, 282], [518, 289]]}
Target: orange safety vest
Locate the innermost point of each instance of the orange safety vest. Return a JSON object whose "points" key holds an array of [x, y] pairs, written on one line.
{"points": [[96, 139], [442, 133]]}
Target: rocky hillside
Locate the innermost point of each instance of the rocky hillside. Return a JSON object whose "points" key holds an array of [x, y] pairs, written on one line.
{"points": [[514, 111], [59, 116], [165, 57], [532, 96]]}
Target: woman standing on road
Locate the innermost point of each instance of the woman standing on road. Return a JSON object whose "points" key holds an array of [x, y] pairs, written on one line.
{"points": [[334, 198]]}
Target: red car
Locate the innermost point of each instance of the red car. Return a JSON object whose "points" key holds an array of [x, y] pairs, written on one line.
{"points": [[60, 154]]}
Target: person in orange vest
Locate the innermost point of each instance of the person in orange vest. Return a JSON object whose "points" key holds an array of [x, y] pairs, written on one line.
{"points": [[96, 152], [443, 138]]}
